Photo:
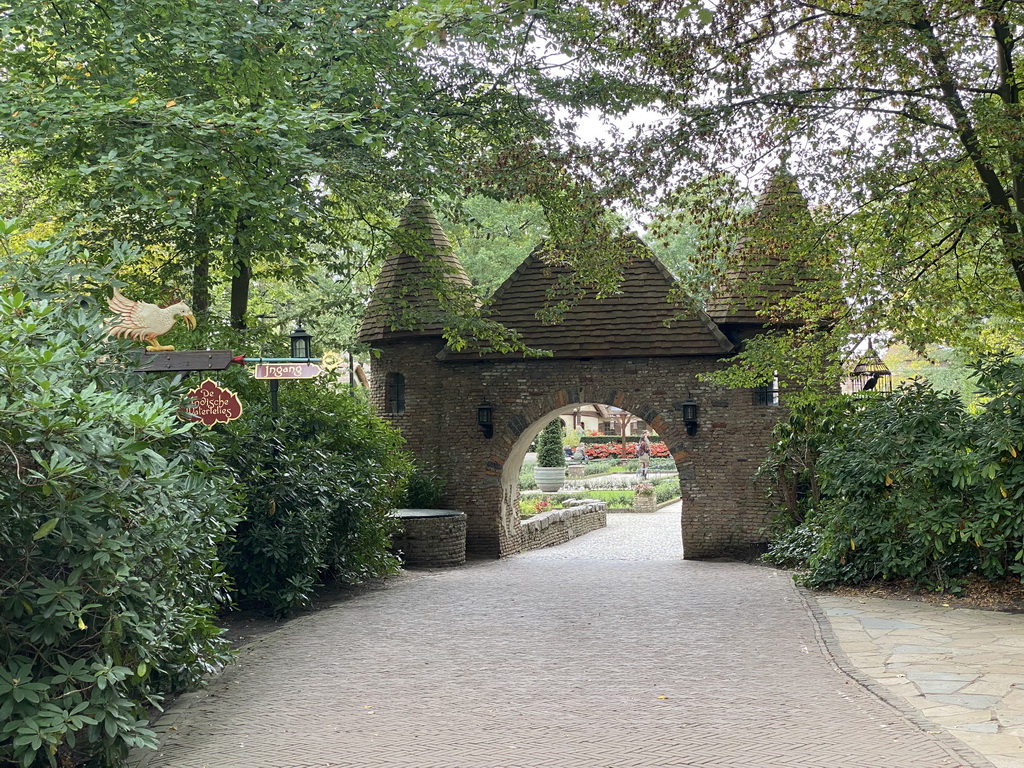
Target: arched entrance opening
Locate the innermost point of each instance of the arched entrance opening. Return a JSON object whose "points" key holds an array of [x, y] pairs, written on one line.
{"points": [[511, 493]]}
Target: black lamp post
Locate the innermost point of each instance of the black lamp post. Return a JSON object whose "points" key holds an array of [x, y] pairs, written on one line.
{"points": [[302, 349], [485, 418], [302, 343], [689, 409]]}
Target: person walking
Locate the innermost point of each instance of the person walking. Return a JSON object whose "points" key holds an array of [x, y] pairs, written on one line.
{"points": [[643, 453]]}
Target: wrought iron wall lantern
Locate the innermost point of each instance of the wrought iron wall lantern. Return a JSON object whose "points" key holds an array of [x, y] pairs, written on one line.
{"points": [[690, 411], [485, 418]]}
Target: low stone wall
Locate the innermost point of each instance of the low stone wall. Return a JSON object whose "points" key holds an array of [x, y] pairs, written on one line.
{"points": [[558, 526], [430, 538], [644, 502]]}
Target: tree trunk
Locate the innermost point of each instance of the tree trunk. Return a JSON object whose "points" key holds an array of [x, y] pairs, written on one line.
{"points": [[201, 288], [242, 277], [199, 245], [240, 294]]}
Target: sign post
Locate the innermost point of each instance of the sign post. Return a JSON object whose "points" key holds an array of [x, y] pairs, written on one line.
{"points": [[213, 404], [291, 370]]}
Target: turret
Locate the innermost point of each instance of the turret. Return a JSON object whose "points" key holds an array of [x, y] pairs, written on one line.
{"points": [[409, 299], [764, 269]]}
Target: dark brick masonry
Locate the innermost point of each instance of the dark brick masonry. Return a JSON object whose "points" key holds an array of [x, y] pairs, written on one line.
{"points": [[723, 510], [639, 349]]}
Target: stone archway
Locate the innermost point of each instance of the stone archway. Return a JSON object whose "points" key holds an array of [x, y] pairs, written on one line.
{"points": [[724, 509], [723, 506], [639, 350], [537, 416]]}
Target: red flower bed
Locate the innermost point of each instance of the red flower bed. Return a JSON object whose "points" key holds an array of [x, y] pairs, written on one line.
{"points": [[614, 451]]}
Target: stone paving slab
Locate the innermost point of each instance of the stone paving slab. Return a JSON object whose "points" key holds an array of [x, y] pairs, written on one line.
{"points": [[607, 652], [961, 669]]}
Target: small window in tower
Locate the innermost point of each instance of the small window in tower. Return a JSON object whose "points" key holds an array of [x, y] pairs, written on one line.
{"points": [[394, 393], [768, 393]]}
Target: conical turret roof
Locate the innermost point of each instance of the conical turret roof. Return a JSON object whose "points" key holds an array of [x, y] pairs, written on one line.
{"points": [[760, 257], [422, 266]]}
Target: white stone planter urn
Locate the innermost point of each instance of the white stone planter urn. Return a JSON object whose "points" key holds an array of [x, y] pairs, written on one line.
{"points": [[549, 479]]}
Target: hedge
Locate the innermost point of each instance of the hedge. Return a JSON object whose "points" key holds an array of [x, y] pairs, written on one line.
{"points": [[597, 439], [912, 486]]}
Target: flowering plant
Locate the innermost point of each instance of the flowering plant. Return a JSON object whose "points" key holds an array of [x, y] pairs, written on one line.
{"points": [[534, 506], [644, 489], [614, 451]]}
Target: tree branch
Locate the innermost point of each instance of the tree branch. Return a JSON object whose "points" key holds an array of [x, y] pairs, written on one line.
{"points": [[968, 135]]}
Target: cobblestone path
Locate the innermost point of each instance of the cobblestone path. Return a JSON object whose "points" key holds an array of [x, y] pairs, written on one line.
{"points": [[607, 652]]}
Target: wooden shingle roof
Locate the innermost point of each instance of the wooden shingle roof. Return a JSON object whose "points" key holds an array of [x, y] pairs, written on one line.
{"points": [[754, 281], [637, 321], [404, 302]]}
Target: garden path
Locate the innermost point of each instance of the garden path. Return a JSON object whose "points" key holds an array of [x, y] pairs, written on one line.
{"points": [[607, 652]]}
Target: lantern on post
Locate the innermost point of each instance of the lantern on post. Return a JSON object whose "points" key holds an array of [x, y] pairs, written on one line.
{"points": [[870, 374], [302, 343]]}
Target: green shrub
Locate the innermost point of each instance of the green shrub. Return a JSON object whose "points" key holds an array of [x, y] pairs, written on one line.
{"points": [[319, 482], [798, 443], [425, 490], [997, 527], [666, 489], [527, 482], [599, 467], [793, 547], [549, 445], [112, 512], [891, 499], [911, 486]]}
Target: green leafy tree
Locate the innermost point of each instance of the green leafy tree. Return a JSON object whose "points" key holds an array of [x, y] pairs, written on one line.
{"points": [[492, 238], [945, 368], [112, 514], [675, 241], [239, 140], [906, 137]]}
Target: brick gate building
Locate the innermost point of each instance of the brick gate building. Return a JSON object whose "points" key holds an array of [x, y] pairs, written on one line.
{"points": [[629, 350]]}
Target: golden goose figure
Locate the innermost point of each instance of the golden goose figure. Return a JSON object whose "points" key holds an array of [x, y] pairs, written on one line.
{"points": [[143, 321]]}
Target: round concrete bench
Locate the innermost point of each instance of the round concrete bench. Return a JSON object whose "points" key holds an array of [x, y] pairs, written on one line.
{"points": [[430, 538]]}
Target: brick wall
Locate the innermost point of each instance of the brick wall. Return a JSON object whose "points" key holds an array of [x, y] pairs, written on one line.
{"points": [[431, 542], [723, 509]]}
